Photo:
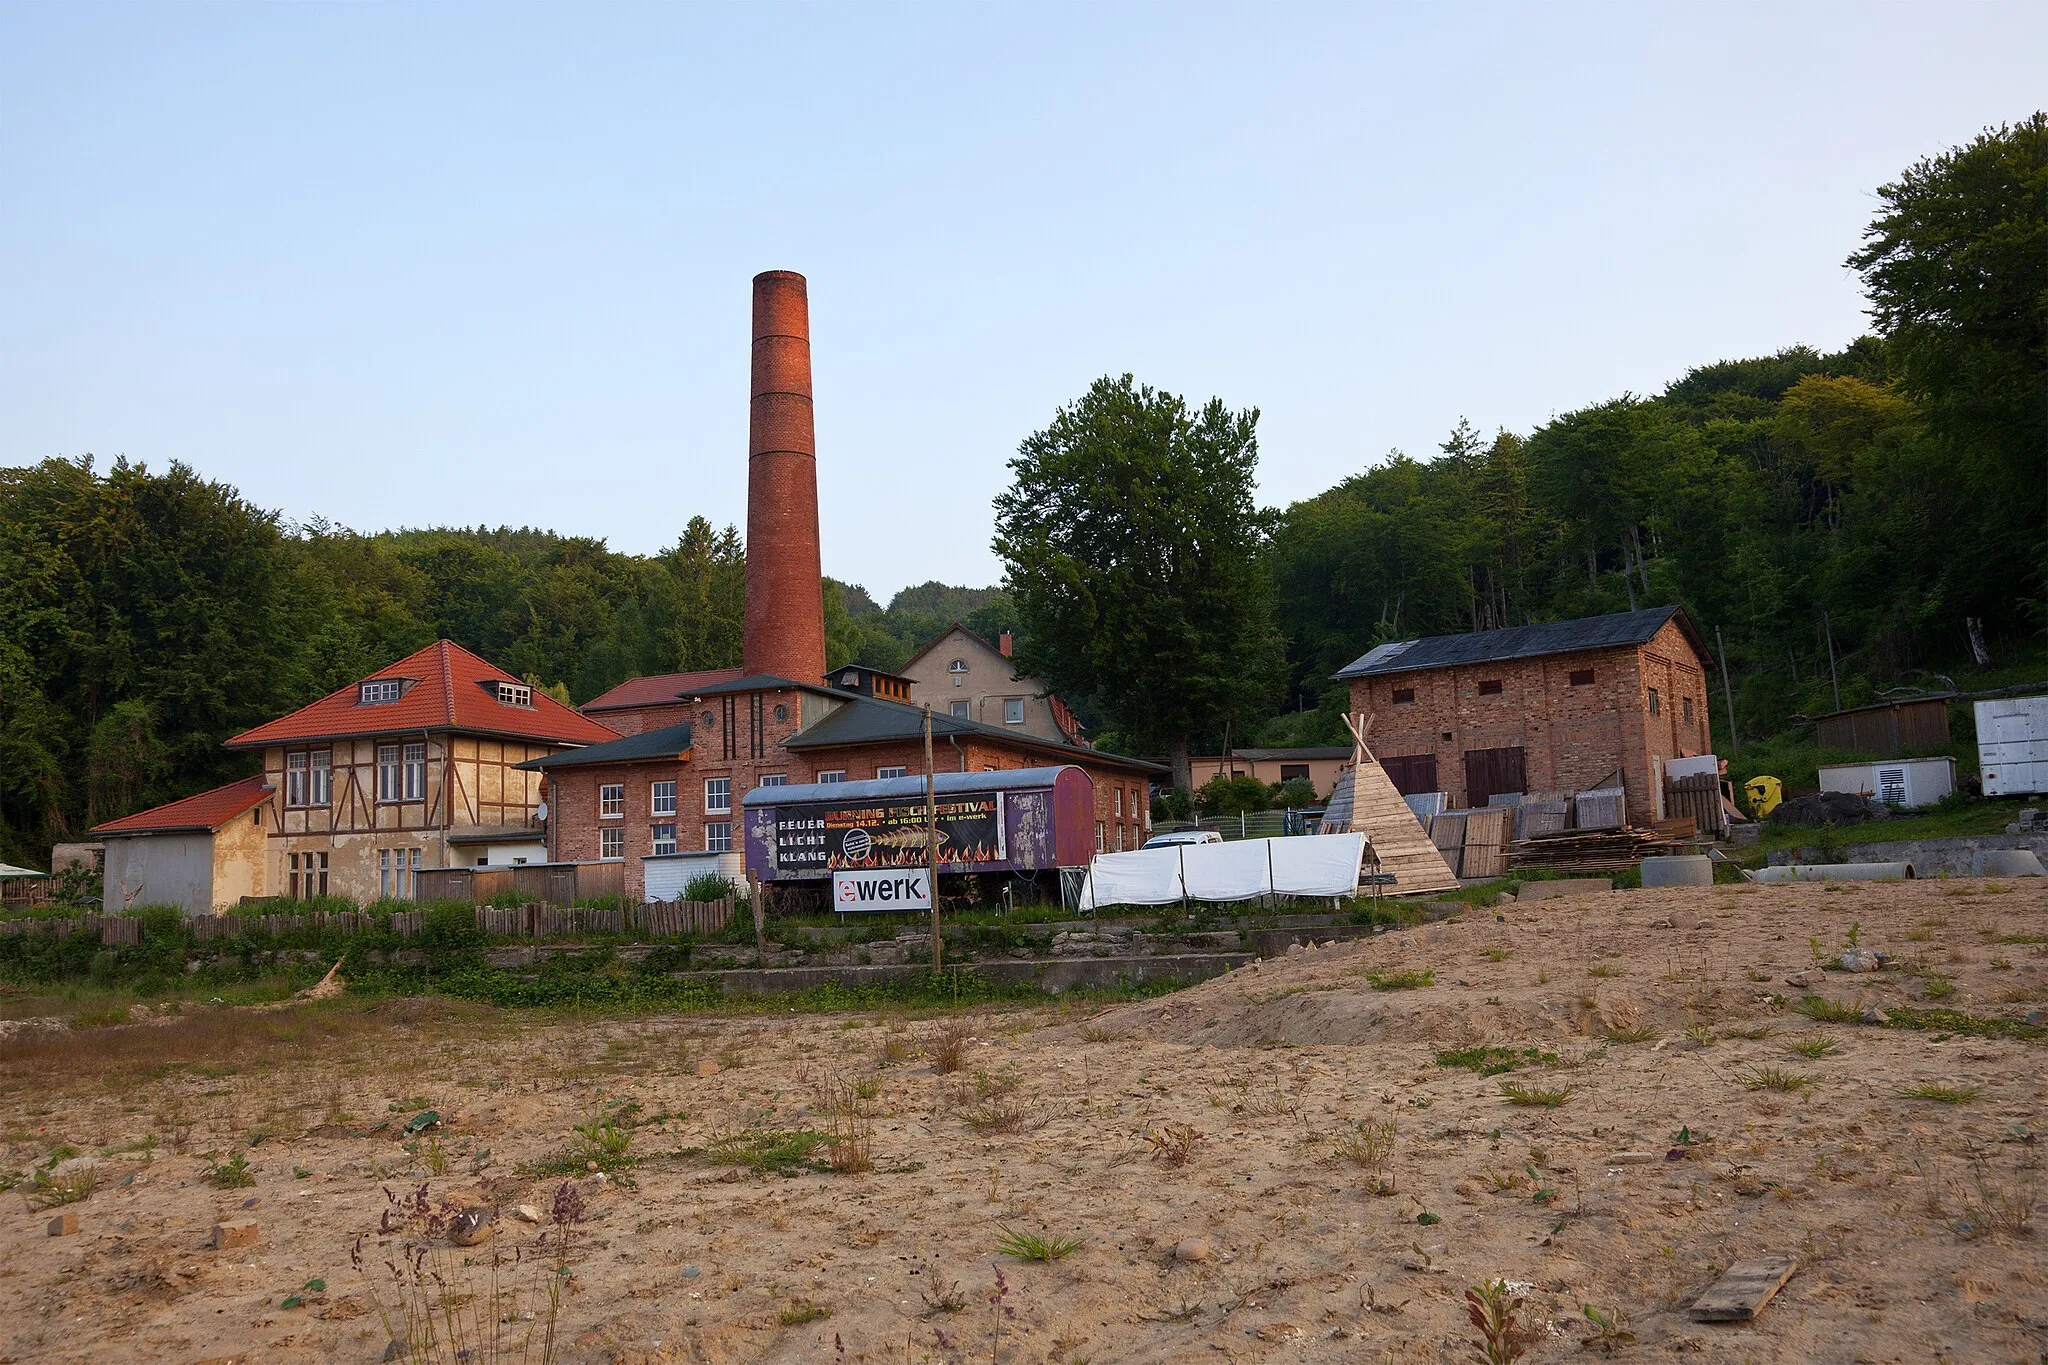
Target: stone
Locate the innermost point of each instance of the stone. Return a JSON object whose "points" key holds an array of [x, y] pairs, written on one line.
{"points": [[526, 1213], [1632, 1159], [1194, 1249], [1810, 977], [1685, 869], [235, 1232], [471, 1227], [691, 1272], [64, 1225], [1860, 960], [707, 1068]]}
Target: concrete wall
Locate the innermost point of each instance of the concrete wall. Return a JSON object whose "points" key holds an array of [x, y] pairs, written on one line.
{"points": [[1929, 857], [160, 869]]}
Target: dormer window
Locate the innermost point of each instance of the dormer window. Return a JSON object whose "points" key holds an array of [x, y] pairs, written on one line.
{"points": [[380, 691], [957, 666], [515, 694]]}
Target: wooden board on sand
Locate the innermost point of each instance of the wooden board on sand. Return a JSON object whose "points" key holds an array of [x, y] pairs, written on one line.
{"points": [[1741, 1293]]}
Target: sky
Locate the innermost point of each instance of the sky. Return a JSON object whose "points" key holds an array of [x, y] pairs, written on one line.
{"points": [[456, 265]]}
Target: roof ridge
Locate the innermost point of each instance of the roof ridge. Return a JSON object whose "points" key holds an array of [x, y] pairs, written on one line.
{"points": [[447, 684]]}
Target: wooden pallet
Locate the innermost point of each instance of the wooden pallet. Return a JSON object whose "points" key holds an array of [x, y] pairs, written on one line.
{"points": [[1741, 1293]]}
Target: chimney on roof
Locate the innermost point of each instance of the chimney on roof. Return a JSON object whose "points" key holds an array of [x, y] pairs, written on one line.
{"points": [[1003, 643], [785, 613]]}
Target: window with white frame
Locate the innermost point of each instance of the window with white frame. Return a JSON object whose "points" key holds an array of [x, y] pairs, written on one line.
{"points": [[398, 872], [661, 798], [1119, 801], [775, 779], [835, 775], [890, 772], [390, 779], [380, 692], [309, 875], [295, 779], [718, 836], [320, 778], [664, 838], [515, 694], [611, 801], [958, 668], [963, 710], [415, 772], [611, 844], [1013, 710], [717, 794], [1101, 837]]}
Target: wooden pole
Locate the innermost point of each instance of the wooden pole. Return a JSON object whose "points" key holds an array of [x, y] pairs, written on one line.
{"points": [[1834, 677], [931, 830], [1734, 742]]}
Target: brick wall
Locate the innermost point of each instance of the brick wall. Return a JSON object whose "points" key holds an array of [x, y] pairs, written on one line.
{"points": [[1572, 735]]}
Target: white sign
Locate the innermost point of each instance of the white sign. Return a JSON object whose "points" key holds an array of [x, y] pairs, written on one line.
{"points": [[884, 889]]}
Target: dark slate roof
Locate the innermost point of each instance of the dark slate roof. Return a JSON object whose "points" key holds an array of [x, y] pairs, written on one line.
{"points": [[667, 742], [1520, 642], [896, 788], [870, 720]]}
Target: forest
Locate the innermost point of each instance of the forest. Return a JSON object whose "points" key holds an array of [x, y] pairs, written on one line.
{"points": [[1856, 520]]}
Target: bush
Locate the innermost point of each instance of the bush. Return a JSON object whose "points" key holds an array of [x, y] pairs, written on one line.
{"points": [[1234, 795], [710, 886]]}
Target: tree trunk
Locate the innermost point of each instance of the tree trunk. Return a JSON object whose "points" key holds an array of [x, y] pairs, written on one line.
{"points": [[1177, 759], [1973, 626]]}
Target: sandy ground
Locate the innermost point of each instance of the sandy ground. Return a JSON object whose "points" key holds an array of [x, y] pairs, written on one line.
{"points": [[1661, 1011]]}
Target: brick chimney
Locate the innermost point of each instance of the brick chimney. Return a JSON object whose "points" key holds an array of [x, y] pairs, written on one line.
{"points": [[1003, 643], [785, 616]]}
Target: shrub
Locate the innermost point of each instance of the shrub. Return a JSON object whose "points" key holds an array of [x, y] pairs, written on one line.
{"points": [[710, 886], [1035, 1246]]}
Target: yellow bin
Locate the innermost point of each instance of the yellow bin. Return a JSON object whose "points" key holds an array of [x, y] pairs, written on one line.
{"points": [[1764, 793]]}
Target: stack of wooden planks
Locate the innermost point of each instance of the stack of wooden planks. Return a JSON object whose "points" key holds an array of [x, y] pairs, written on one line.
{"points": [[1591, 850]]}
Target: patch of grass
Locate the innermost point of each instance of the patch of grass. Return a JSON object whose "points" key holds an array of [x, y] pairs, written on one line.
{"points": [[1813, 1048], [1941, 1094], [1401, 981], [850, 1147], [1777, 1078], [1967, 1025], [1822, 1010], [1514, 1092], [1370, 1145], [1035, 1246], [1002, 1114], [1605, 970], [801, 1312], [1174, 1144], [232, 1174], [53, 1189], [776, 1151], [949, 1046], [1939, 988], [1488, 1060], [1754, 1033]]}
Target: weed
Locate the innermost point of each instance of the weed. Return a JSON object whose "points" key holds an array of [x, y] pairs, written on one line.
{"points": [[1096, 1033], [1822, 1010], [1969, 1025], [1503, 1180], [1609, 1334], [1003, 1114], [850, 1146], [1173, 1144], [1496, 955], [1754, 1033], [1517, 1093], [1370, 1145], [1035, 1246], [2002, 1201], [1603, 970], [1776, 1078], [995, 1083], [778, 1151], [949, 1046], [1814, 1048], [232, 1174], [1700, 1035], [1493, 1061], [1400, 981], [1494, 1310], [1940, 988], [801, 1312], [1941, 1094], [51, 1189], [941, 1295]]}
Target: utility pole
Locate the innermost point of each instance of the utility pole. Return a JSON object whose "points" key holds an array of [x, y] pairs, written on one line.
{"points": [[1734, 743], [1833, 677], [931, 834]]}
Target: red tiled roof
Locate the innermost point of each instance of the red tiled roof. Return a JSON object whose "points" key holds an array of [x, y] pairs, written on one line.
{"points": [[657, 689], [208, 810], [447, 693]]}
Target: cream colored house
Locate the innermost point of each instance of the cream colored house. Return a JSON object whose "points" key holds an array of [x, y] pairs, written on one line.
{"points": [[965, 676]]}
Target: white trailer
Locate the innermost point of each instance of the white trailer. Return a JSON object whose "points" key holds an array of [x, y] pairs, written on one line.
{"points": [[2012, 745], [1905, 782]]}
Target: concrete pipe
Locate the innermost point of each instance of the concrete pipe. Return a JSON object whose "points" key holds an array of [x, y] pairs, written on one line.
{"points": [[2005, 862], [1839, 872], [1683, 870]]}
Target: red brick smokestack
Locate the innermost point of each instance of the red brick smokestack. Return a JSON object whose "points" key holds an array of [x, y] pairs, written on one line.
{"points": [[785, 602]]}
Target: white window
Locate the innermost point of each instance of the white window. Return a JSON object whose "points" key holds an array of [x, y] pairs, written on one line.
{"points": [[1119, 801], [775, 779], [611, 801], [661, 799], [398, 872], [415, 772], [958, 668], [309, 875], [664, 838], [515, 694], [963, 710], [295, 779], [390, 782], [1013, 710], [718, 837], [836, 775], [890, 772], [322, 775], [382, 692], [1101, 837], [611, 844], [717, 794]]}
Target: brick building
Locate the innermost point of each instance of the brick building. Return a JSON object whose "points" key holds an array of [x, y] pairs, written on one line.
{"points": [[674, 784], [1553, 708]]}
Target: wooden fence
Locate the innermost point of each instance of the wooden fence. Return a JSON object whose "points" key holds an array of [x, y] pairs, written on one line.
{"points": [[1699, 798], [655, 919], [539, 883]]}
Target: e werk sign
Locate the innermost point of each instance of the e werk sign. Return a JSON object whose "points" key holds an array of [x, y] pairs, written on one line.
{"points": [[881, 891]]}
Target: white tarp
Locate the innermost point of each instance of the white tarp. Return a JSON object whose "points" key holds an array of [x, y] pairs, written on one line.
{"points": [[1309, 865]]}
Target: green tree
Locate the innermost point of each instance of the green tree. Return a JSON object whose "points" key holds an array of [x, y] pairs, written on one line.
{"points": [[1132, 547]]}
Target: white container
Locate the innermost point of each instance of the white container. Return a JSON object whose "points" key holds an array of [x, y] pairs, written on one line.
{"points": [[666, 874], [1905, 782], [1692, 767], [2012, 745]]}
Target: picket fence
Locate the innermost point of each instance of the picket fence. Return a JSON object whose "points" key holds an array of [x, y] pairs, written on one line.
{"points": [[655, 918]]}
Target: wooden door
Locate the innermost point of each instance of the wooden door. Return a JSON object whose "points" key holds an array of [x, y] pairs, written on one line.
{"points": [[1492, 772], [1412, 773]]}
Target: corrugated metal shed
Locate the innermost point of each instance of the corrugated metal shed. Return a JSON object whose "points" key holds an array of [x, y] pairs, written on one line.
{"points": [[1521, 642]]}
